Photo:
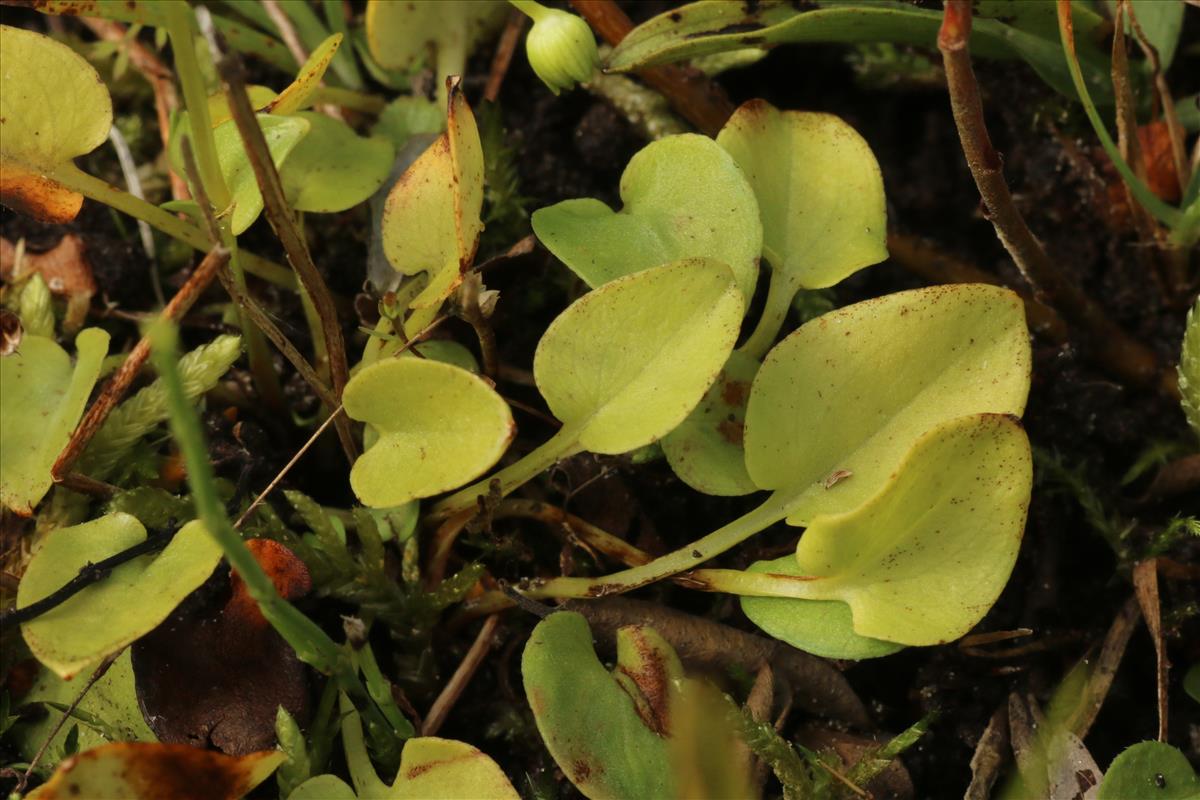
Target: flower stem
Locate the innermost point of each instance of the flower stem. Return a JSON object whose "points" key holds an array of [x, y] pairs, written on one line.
{"points": [[715, 543], [562, 444]]}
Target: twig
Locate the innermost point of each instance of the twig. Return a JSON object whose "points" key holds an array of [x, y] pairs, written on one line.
{"points": [[336, 413], [280, 216], [1145, 586], [1100, 680], [1126, 358], [78, 482], [88, 574], [989, 755], [697, 99], [249, 306], [504, 54], [116, 388], [461, 677], [595, 537], [96, 675], [443, 543], [1174, 128]]}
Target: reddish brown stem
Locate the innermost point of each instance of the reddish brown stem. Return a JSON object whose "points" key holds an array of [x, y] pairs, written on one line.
{"points": [[116, 388], [689, 91], [1126, 358], [279, 214], [504, 54]]}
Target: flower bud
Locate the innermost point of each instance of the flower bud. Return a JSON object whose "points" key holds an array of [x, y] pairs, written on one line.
{"points": [[560, 46]]}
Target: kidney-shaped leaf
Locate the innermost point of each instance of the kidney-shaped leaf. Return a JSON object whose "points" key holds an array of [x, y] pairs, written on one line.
{"points": [[439, 426], [332, 168], [627, 362], [831, 414], [819, 190], [821, 627], [706, 449], [106, 616], [587, 717], [1150, 771], [142, 771], [430, 769], [282, 135], [400, 35], [922, 562], [53, 107], [42, 399], [431, 219], [684, 198]]}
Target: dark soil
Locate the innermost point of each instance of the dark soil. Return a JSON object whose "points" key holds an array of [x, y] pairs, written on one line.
{"points": [[1069, 583]]}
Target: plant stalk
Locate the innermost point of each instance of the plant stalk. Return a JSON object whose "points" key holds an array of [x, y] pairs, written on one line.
{"points": [[780, 291], [1125, 357], [562, 444], [685, 558]]}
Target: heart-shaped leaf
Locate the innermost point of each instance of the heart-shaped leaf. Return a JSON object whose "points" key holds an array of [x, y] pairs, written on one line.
{"points": [[308, 79], [587, 717], [684, 198], [439, 427], [108, 615], [401, 35], [830, 417], [706, 449], [111, 699], [626, 363], [142, 771], [822, 627], [431, 219], [430, 769], [1150, 770], [332, 168], [53, 108], [43, 399], [819, 191], [922, 561]]}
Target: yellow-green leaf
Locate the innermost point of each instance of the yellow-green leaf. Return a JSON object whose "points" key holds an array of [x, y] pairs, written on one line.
{"points": [[431, 220], [922, 562], [831, 415], [819, 190], [332, 168], [627, 362], [41, 400], [53, 108], [144, 771], [108, 615], [822, 627], [705, 451], [308, 80], [439, 427], [684, 197], [401, 35]]}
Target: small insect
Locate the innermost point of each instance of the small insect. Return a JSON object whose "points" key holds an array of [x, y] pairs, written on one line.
{"points": [[11, 332], [836, 477]]}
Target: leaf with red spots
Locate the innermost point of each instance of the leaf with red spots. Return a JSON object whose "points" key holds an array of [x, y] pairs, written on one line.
{"points": [[217, 680], [145, 771]]}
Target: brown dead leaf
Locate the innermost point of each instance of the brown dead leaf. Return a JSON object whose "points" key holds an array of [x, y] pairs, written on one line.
{"points": [[64, 268], [217, 680]]}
